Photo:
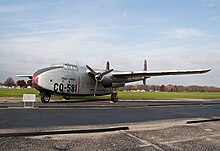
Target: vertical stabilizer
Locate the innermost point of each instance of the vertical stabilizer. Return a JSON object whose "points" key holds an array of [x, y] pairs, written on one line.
{"points": [[145, 69], [107, 68], [145, 65]]}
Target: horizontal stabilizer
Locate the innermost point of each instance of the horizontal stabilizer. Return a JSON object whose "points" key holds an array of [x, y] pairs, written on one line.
{"points": [[25, 76]]}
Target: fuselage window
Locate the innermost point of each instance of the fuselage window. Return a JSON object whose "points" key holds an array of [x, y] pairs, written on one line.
{"points": [[70, 67], [66, 66]]}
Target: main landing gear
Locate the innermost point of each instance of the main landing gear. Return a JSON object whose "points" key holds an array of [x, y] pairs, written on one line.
{"points": [[66, 97], [45, 97], [114, 97]]}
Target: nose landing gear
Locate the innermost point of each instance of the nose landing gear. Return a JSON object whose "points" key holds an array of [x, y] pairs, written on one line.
{"points": [[45, 97]]}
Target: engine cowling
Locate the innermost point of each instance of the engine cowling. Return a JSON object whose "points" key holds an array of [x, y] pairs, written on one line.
{"points": [[106, 81], [118, 84]]}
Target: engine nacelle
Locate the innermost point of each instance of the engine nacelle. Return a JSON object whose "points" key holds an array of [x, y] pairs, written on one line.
{"points": [[118, 84], [106, 81]]}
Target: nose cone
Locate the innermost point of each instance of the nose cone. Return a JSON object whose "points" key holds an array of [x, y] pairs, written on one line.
{"points": [[42, 78], [35, 80]]}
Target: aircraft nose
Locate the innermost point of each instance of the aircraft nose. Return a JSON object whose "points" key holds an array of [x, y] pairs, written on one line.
{"points": [[35, 80]]}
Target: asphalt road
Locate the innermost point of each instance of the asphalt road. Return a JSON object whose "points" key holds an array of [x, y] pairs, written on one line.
{"points": [[93, 113], [153, 125]]}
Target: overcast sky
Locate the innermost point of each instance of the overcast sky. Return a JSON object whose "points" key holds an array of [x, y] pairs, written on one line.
{"points": [[170, 34]]}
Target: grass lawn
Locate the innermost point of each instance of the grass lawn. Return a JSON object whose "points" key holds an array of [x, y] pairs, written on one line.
{"points": [[124, 95], [169, 95], [17, 92]]}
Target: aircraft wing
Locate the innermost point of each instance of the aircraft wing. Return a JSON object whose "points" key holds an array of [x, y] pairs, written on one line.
{"points": [[25, 76], [148, 74]]}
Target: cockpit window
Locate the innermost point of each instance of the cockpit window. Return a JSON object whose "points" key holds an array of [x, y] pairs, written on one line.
{"points": [[66, 66]]}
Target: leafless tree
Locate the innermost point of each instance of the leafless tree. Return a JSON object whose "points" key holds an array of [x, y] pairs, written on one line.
{"points": [[9, 82]]}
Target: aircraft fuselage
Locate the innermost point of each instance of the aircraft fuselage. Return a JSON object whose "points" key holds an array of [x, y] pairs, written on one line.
{"points": [[67, 80]]}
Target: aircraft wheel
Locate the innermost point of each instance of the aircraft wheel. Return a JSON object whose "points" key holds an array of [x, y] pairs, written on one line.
{"points": [[66, 97], [114, 98], [45, 98]]}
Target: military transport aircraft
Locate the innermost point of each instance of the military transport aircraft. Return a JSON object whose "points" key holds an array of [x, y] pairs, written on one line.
{"points": [[68, 80]]}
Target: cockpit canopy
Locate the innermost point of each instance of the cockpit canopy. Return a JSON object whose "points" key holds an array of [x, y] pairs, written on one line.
{"points": [[66, 66]]}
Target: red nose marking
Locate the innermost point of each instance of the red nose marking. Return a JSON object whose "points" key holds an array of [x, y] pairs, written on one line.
{"points": [[34, 80]]}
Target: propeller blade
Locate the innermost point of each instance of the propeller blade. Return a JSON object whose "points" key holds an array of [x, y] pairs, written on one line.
{"points": [[91, 70], [107, 66], [96, 85]]}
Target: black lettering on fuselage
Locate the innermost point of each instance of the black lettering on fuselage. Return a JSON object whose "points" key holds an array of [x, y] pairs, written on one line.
{"points": [[55, 87], [61, 87], [69, 87]]}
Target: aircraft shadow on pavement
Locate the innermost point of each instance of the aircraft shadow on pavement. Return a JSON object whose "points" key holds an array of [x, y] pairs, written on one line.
{"points": [[80, 100]]}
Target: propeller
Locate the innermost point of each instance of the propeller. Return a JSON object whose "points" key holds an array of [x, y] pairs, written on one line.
{"points": [[98, 76]]}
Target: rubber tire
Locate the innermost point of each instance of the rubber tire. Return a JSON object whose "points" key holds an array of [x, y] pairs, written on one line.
{"points": [[114, 98], [66, 97], [45, 98]]}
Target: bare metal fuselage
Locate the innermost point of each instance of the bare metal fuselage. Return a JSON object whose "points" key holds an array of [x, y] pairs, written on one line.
{"points": [[67, 80]]}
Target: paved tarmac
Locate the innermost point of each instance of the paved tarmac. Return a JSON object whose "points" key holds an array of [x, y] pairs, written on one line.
{"points": [[153, 125]]}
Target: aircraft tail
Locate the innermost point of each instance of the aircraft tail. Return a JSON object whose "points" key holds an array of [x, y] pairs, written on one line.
{"points": [[107, 68], [145, 69]]}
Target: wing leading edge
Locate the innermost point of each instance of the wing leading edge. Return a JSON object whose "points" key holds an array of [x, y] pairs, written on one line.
{"points": [[148, 74]]}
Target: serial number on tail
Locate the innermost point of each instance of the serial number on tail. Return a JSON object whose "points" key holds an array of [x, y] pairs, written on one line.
{"points": [[68, 88]]}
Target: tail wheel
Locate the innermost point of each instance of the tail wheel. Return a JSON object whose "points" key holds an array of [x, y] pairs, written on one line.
{"points": [[45, 97]]}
